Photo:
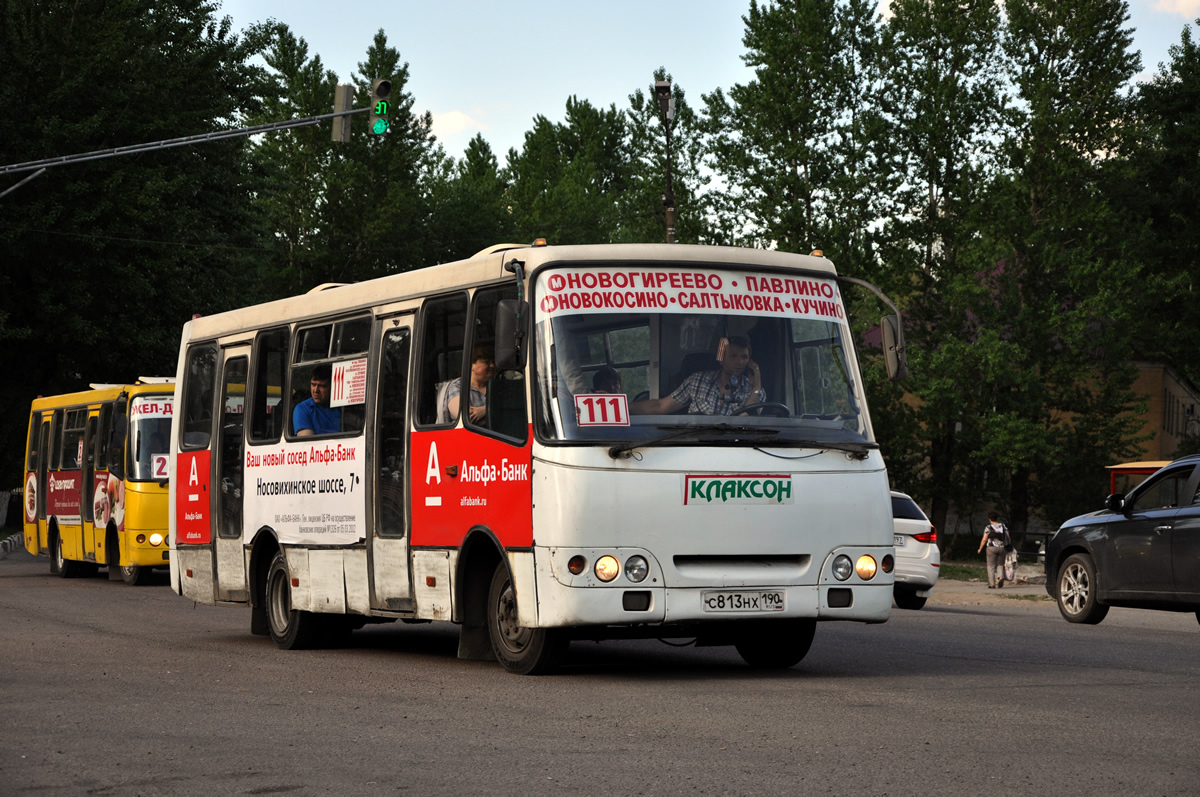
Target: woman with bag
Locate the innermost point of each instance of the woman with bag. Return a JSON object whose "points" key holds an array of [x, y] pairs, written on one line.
{"points": [[998, 543]]}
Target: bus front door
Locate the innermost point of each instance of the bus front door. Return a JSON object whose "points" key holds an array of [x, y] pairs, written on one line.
{"points": [[231, 450], [390, 576]]}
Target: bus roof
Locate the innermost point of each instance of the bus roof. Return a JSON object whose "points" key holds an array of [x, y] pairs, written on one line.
{"points": [[1147, 465], [100, 393], [488, 267]]}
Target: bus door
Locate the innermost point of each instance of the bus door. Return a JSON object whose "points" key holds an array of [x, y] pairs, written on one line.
{"points": [[231, 454], [35, 483], [43, 483], [87, 486], [390, 576]]}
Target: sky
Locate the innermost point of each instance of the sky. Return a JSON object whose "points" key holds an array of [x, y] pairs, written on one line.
{"points": [[482, 66]]}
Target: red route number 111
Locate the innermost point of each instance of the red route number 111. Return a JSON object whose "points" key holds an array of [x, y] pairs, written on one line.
{"points": [[602, 409]]}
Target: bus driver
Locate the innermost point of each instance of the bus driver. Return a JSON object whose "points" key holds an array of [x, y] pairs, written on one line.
{"points": [[737, 384]]}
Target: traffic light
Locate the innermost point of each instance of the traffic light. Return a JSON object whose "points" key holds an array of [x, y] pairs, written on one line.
{"points": [[381, 91]]}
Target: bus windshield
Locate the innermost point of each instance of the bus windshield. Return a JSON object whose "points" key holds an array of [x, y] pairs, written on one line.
{"points": [[150, 437], [646, 355]]}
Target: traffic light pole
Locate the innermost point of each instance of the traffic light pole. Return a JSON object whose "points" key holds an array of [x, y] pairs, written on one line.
{"points": [[135, 149]]}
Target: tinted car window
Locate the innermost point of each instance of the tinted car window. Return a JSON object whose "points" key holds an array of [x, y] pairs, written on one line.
{"points": [[1165, 492], [906, 509]]}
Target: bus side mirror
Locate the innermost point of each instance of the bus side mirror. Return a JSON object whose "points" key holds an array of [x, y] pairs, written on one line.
{"points": [[511, 334], [894, 353]]}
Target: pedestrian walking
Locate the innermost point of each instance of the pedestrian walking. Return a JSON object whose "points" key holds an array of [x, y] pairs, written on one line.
{"points": [[998, 544]]}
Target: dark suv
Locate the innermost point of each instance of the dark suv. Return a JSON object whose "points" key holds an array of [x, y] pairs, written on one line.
{"points": [[1142, 550]]}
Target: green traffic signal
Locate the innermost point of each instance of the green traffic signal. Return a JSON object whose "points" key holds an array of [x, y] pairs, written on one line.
{"points": [[380, 91]]}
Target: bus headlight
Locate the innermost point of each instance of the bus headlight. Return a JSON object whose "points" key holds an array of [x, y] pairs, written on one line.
{"points": [[156, 539], [866, 567], [842, 567], [607, 568], [636, 569]]}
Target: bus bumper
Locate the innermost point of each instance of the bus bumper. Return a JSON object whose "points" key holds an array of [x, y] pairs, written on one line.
{"points": [[563, 606]]}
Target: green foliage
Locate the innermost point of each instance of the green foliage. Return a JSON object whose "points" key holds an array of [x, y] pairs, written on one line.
{"points": [[1160, 198], [106, 260], [565, 183], [469, 205], [772, 138]]}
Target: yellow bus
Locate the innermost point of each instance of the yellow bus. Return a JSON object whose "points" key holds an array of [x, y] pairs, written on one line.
{"points": [[96, 479]]}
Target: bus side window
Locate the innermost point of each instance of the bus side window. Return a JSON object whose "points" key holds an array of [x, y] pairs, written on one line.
{"points": [[72, 439], [443, 329], [56, 431], [323, 351], [102, 435], [267, 408], [35, 431], [505, 395], [198, 394]]}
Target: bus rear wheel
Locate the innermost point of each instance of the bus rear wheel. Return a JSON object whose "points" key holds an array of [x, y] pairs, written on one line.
{"points": [[776, 645], [60, 564], [524, 651], [291, 629]]}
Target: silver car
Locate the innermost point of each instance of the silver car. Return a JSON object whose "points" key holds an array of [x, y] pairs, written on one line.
{"points": [[917, 557]]}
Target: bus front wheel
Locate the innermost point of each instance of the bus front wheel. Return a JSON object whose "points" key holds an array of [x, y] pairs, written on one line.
{"points": [[524, 651], [291, 629], [133, 575], [776, 645]]}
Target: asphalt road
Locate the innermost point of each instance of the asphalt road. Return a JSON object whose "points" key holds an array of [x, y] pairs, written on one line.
{"points": [[109, 689]]}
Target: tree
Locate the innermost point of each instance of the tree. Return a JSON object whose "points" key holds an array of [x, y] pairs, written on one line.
{"points": [[295, 165], [348, 211], [1058, 309], [771, 139], [106, 260], [942, 104], [469, 204], [566, 182], [1161, 200]]}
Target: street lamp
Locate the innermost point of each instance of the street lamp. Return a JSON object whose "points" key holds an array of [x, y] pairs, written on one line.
{"points": [[662, 90]]}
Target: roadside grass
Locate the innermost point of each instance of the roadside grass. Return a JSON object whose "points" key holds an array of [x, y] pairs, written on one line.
{"points": [[963, 571]]}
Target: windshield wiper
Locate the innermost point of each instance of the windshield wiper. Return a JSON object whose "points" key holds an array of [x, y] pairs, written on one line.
{"points": [[858, 450], [624, 449]]}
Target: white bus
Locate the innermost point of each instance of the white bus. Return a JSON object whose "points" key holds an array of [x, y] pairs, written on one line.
{"points": [[697, 495]]}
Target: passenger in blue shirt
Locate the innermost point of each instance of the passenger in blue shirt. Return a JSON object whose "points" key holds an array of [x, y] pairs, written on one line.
{"points": [[314, 415]]}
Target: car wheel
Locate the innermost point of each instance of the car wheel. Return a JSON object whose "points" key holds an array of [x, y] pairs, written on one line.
{"points": [[908, 599], [1077, 591], [291, 629], [524, 651], [776, 645]]}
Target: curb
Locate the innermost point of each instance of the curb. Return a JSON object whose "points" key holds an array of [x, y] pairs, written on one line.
{"points": [[10, 544]]}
